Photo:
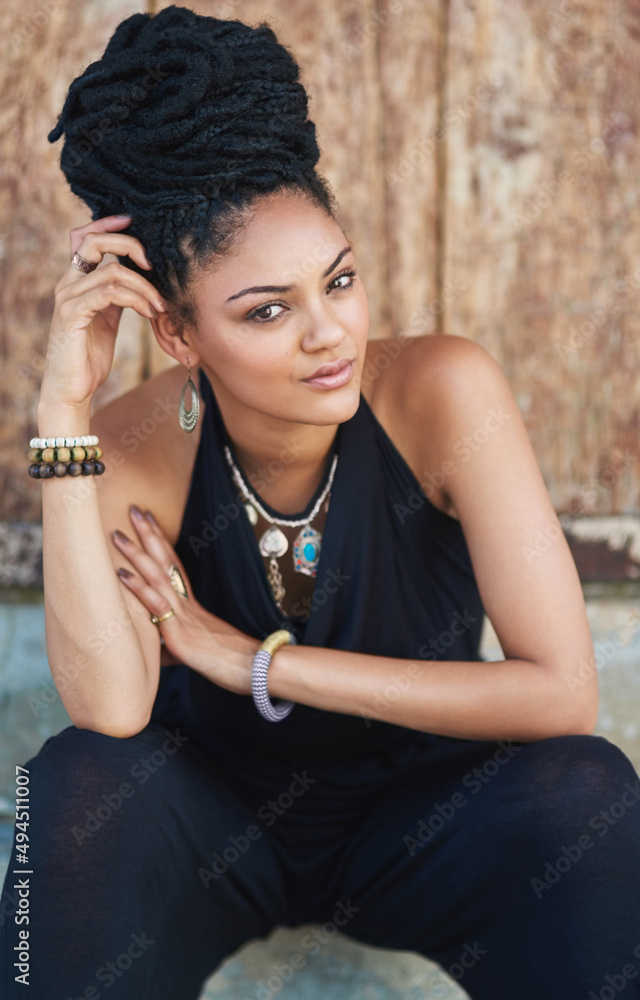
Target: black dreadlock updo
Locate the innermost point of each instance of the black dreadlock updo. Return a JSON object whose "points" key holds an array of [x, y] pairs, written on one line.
{"points": [[183, 123]]}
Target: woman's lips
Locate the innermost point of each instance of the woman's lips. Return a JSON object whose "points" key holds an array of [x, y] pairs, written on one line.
{"points": [[332, 381]]}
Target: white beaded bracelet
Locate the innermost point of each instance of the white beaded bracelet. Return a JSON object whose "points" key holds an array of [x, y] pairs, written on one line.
{"points": [[65, 442]]}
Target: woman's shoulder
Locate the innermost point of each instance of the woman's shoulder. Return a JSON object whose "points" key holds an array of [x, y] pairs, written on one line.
{"points": [[148, 457], [407, 381]]}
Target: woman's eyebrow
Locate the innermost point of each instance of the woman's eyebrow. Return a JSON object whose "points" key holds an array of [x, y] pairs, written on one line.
{"points": [[287, 288]]}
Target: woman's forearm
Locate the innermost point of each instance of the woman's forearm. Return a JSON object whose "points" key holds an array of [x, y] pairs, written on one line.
{"points": [[94, 653], [504, 699]]}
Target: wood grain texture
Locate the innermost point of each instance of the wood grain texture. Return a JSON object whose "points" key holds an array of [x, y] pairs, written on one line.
{"points": [[485, 159], [409, 45], [47, 46], [542, 224]]}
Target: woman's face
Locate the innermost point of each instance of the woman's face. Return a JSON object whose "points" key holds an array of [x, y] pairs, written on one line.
{"points": [[260, 346]]}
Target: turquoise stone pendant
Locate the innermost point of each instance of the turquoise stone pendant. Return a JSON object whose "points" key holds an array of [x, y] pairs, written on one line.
{"points": [[306, 551]]}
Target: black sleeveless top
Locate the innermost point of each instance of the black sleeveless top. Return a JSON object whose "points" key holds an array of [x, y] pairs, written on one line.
{"points": [[394, 578]]}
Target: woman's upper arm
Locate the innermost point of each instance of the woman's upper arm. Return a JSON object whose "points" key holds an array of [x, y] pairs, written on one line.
{"points": [[119, 487], [525, 572]]}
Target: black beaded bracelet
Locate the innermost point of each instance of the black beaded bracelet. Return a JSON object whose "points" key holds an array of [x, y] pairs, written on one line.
{"points": [[45, 470]]}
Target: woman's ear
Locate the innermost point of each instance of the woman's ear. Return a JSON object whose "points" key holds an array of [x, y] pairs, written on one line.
{"points": [[175, 338]]}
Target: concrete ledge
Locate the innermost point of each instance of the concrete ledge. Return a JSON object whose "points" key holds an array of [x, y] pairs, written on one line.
{"points": [[340, 968]]}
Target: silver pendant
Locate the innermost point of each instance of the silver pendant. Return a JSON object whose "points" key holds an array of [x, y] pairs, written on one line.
{"points": [[274, 542]]}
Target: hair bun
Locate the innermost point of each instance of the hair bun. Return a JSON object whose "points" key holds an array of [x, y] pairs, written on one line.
{"points": [[183, 103]]}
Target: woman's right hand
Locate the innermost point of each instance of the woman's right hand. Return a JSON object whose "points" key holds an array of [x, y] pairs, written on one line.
{"points": [[87, 312]]}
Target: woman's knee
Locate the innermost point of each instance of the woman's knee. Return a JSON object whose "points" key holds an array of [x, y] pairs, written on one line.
{"points": [[581, 787], [80, 779]]}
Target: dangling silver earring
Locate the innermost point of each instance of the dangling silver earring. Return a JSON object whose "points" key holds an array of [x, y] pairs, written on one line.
{"points": [[189, 418]]}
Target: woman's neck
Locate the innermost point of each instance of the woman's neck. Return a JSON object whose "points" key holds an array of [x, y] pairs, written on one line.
{"points": [[284, 462]]}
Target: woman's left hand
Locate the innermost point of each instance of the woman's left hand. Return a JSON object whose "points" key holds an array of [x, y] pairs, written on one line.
{"points": [[192, 635]]}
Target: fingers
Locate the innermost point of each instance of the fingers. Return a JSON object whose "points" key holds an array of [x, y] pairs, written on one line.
{"points": [[152, 558], [98, 238], [105, 224], [92, 242], [94, 246], [112, 287], [113, 284], [156, 603]]}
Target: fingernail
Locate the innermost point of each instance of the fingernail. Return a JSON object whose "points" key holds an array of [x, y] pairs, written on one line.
{"points": [[123, 215], [120, 535], [124, 573], [151, 518], [137, 513]]}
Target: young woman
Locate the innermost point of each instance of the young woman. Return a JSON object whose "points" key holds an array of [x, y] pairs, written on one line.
{"points": [[373, 774]]}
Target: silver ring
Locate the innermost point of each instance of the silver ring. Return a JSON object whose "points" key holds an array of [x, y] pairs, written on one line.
{"points": [[82, 264]]}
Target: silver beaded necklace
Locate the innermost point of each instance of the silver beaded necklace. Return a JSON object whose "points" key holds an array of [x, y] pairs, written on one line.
{"points": [[274, 543]]}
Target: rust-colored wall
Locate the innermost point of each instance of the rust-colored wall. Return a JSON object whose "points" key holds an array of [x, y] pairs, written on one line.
{"points": [[485, 158]]}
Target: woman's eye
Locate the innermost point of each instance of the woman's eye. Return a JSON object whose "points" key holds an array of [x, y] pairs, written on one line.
{"points": [[261, 309], [258, 315], [349, 273]]}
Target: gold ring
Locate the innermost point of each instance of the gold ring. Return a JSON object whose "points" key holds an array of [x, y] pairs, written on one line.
{"points": [[177, 581], [155, 619]]}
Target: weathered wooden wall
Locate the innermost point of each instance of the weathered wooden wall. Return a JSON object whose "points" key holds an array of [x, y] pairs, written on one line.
{"points": [[485, 158], [46, 45], [543, 228]]}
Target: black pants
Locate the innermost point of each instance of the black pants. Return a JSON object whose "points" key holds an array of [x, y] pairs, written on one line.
{"points": [[515, 866]]}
